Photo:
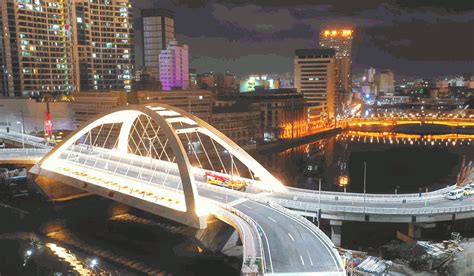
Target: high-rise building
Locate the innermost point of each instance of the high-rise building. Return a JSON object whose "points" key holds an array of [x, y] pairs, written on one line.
{"points": [[63, 46], [35, 39], [103, 36], [315, 77], [369, 75], [384, 82], [341, 41], [158, 32], [174, 66]]}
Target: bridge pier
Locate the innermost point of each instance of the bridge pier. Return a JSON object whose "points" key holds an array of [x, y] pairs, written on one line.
{"points": [[415, 229], [336, 231]]}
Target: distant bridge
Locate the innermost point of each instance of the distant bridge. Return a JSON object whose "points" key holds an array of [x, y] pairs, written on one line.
{"points": [[392, 121]]}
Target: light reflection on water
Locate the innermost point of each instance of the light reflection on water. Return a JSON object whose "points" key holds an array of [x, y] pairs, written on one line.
{"points": [[76, 264], [395, 161]]}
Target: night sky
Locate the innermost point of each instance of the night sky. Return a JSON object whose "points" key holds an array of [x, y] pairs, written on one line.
{"points": [[425, 38]]}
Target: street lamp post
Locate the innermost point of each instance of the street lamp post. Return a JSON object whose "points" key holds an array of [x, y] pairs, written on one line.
{"points": [[319, 209], [22, 134], [365, 181]]}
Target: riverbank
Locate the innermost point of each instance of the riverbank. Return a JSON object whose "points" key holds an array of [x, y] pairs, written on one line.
{"points": [[290, 143]]}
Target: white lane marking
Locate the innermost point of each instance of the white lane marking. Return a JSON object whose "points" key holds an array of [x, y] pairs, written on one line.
{"points": [[268, 246], [301, 258], [216, 196], [246, 206], [330, 249], [291, 236], [237, 201], [272, 219], [310, 260]]}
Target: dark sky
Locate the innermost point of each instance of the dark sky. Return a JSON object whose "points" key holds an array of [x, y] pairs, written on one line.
{"points": [[425, 38]]}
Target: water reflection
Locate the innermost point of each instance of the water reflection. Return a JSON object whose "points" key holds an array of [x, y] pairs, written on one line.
{"points": [[395, 161], [63, 254]]}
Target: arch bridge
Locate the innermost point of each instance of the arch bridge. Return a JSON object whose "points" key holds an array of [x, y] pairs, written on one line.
{"points": [[170, 163]]}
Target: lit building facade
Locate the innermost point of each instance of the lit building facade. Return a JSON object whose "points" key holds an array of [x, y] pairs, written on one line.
{"points": [[197, 102], [258, 81], [59, 47], [240, 124], [282, 111], [34, 48], [174, 66], [158, 32], [103, 36], [384, 82], [315, 78], [341, 41]]}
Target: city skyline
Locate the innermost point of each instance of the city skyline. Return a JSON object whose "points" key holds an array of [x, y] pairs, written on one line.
{"points": [[398, 35]]}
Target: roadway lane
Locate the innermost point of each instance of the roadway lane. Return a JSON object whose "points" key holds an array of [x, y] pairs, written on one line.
{"points": [[290, 247]]}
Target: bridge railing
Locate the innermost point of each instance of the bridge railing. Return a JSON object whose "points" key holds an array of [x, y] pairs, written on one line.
{"points": [[359, 197], [22, 150], [314, 207], [27, 139], [253, 260]]}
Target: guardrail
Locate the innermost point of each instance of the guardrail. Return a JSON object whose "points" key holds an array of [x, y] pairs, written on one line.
{"points": [[253, 261], [24, 150], [313, 207], [360, 197], [27, 139]]}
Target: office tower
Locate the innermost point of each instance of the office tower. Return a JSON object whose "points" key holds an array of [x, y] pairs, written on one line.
{"points": [[158, 32], [315, 77], [103, 35], [385, 83], [34, 56], [174, 66], [341, 41]]}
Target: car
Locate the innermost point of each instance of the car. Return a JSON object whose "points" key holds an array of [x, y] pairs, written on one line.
{"points": [[455, 194], [468, 191]]}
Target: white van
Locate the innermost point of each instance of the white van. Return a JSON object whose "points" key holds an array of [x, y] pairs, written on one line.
{"points": [[455, 194]]}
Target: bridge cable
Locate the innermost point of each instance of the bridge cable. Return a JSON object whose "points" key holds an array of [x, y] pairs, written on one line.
{"points": [[217, 152], [151, 145], [205, 152], [192, 147], [113, 147], [95, 140]]}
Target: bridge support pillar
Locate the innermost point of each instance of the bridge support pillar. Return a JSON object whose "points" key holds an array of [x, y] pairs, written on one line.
{"points": [[336, 231], [415, 230]]}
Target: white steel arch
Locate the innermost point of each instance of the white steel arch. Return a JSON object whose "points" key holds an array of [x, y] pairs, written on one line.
{"points": [[126, 115], [165, 115]]}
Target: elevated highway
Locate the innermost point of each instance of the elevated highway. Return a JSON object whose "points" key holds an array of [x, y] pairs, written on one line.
{"points": [[21, 140]]}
